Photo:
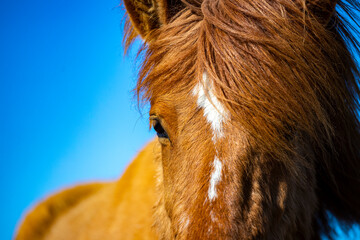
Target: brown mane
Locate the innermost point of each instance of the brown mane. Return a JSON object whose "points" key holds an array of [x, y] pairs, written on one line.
{"points": [[282, 72]]}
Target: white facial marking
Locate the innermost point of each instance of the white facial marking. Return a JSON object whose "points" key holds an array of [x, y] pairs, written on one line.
{"points": [[215, 179], [214, 111], [216, 115], [184, 222], [213, 216]]}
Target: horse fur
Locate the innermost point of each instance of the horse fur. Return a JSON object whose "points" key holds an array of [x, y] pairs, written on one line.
{"points": [[284, 71]]}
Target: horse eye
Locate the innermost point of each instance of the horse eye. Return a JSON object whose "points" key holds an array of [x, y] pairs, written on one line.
{"points": [[160, 130]]}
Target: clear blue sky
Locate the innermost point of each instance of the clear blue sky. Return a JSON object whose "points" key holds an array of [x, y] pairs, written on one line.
{"points": [[67, 111]]}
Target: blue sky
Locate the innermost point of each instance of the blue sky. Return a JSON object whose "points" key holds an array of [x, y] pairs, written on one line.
{"points": [[67, 110]]}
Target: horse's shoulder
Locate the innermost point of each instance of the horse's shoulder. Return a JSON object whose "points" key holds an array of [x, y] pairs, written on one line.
{"points": [[39, 220], [100, 209], [135, 197]]}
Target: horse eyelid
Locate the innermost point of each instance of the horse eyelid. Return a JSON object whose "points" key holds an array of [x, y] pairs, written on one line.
{"points": [[158, 127]]}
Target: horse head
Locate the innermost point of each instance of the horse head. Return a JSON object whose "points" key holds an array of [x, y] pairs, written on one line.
{"points": [[255, 106]]}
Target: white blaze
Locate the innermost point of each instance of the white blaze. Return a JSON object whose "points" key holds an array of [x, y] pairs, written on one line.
{"points": [[216, 115], [215, 179], [214, 111]]}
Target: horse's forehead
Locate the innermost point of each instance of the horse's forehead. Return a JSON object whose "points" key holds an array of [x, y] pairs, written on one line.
{"points": [[200, 97], [214, 111], [216, 115]]}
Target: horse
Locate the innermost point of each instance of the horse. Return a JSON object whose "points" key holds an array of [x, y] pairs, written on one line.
{"points": [[255, 105]]}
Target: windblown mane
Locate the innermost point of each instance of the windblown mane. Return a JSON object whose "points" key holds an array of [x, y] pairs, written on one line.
{"points": [[280, 72]]}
